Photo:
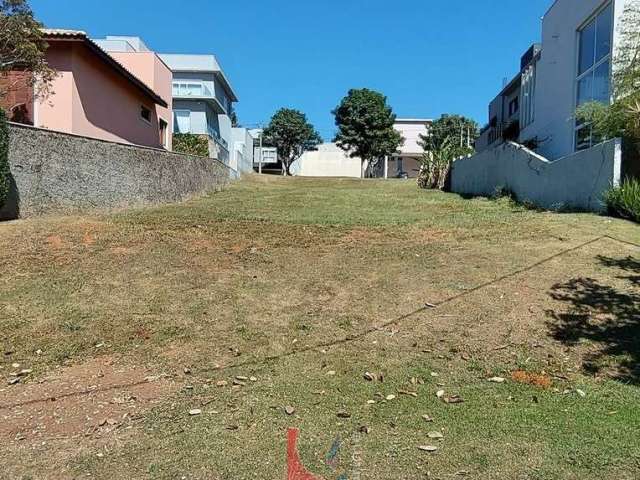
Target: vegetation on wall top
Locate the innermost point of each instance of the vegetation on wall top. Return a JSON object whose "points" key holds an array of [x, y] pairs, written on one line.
{"points": [[191, 144]]}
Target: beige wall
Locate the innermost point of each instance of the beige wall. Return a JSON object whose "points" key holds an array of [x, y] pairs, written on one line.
{"points": [[89, 98], [148, 67]]}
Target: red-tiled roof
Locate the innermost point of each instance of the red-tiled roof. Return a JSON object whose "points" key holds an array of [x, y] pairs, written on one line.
{"points": [[80, 36]]}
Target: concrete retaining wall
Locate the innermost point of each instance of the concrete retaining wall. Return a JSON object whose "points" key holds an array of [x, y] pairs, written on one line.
{"points": [[54, 172], [574, 182]]}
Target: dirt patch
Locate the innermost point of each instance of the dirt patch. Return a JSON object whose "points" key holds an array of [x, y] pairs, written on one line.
{"points": [[528, 378], [92, 398]]}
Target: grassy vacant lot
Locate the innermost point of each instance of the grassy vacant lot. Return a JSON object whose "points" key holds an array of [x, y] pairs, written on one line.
{"points": [[283, 293]]}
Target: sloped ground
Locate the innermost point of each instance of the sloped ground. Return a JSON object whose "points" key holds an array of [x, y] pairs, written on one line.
{"points": [[284, 293]]}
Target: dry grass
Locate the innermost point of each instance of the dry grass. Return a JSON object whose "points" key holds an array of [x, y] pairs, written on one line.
{"points": [[288, 280]]}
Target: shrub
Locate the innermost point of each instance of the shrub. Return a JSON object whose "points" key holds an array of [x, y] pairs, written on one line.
{"points": [[191, 144], [624, 201], [4, 158]]}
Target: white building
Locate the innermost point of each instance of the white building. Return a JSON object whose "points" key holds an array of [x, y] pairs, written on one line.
{"points": [[533, 144], [241, 155], [329, 160]]}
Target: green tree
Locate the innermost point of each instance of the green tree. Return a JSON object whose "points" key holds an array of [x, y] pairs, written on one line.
{"points": [[23, 47], [291, 133], [448, 138], [365, 127], [620, 118]]}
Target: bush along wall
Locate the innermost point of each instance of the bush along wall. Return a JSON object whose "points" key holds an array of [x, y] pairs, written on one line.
{"points": [[624, 201], [191, 144], [4, 158]]}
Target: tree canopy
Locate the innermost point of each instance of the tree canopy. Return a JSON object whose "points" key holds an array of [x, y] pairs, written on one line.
{"points": [[365, 126], [447, 138], [291, 133], [22, 46]]}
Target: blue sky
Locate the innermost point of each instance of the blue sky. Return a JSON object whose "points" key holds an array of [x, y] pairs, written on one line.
{"points": [[428, 56]]}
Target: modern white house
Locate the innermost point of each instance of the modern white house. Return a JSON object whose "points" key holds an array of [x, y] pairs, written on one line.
{"points": [[329, 160], [241, 159], [533, 142], [203, 101], [406, 163]]}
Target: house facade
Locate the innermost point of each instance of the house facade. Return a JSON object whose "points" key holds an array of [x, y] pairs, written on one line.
{"points": [[241, 159], [145, 64], [570, 67], [202, 101], [406, 162], [533, 145], [93, 95]]}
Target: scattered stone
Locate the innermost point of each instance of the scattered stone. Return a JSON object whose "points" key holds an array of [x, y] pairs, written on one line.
{"points": [[195, 411], [435, 435], [253, 379], [496, 380], [38, 352], [15, 365], [440, 393], [13, 381], [331, 373], [410, 394], [343, 414], [371, 402], [187, 371], [390, 397], [427, 418], [222, 383], [242, 378], [428, 448], [370, 377], [239, 383], [289, 410], [454, 399], [364, 429], [581, 393]]}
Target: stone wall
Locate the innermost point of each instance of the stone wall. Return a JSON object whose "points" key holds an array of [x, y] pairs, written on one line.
{"points": [[573, 182], [55, 173]]}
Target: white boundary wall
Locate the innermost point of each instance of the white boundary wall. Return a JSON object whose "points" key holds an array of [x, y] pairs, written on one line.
{"points": [[576, 181]]}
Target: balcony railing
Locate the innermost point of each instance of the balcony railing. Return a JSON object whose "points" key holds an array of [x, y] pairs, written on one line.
{"points": [[216, 136], [191, 89]]}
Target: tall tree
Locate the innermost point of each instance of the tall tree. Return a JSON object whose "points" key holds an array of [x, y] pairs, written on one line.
{"points": [[448, 138], [365, 127], [291, 133], [22, 47]]}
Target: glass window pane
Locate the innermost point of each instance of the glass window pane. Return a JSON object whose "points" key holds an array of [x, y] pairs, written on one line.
{"points": [[583, 138], [585, 89], [587, 47], [604, 31], [182, 121], [601, 83]]}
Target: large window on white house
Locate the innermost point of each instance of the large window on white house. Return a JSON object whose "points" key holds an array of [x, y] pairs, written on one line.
{"points": [[182, 121], [594, 69]]}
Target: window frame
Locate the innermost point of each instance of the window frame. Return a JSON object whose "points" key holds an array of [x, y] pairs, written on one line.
{"points": [[149, 120], [593, 19], [175, 119]]}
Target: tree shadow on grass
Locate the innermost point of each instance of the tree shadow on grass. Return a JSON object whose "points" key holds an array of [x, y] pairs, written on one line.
{"points": [[606, 316]]}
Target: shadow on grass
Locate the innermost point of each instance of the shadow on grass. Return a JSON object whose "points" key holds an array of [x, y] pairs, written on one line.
{"points": [[605, 316]]}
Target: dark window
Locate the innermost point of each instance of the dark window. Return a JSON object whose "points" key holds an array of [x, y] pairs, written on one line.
{"points": [[514, 106], [145, 114]]}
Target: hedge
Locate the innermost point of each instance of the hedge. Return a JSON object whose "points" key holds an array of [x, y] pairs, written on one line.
{"points": [[191, 144]]}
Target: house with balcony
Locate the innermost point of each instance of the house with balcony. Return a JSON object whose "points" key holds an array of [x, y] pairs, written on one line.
{"points": [[405, 163], [533, 144], [202, 101]]}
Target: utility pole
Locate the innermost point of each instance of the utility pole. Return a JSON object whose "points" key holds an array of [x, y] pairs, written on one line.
{"points": [[260, 159]]}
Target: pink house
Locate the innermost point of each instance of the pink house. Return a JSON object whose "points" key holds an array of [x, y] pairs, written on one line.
{"points": [[98, 96]]}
